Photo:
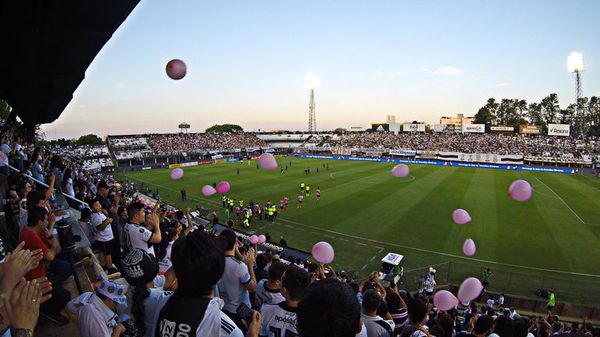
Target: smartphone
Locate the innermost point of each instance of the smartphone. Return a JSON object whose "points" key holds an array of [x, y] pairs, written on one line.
{"points": [[244, 312]]}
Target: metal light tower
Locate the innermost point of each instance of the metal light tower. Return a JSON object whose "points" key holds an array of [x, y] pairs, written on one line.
{"points": [[311, 81], [312, 122], [575, 65]]}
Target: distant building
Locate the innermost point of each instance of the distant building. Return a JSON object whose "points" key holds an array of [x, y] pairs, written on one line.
{"points": [[459, 120]]}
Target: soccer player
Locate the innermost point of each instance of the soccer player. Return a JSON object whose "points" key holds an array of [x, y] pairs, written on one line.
{"points": [[300, 199], [318, 193], [280, 319], [301, 187], [307, 190], [281, 205], [286, 201], [237, 212], [238, 172]]}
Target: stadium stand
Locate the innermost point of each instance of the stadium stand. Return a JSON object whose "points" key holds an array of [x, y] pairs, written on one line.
{"points": [[130, 298]]}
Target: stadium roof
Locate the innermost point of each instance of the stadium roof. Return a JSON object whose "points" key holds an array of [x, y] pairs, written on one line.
{"points": [[47, 47]]}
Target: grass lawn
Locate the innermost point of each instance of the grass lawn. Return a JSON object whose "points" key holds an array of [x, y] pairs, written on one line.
{"points": [[550, 241]]}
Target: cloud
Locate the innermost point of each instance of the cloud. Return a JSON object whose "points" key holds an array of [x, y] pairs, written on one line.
{"points": [[448, 71]]}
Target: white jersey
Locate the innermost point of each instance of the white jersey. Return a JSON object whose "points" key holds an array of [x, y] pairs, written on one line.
{"points": [[278, 320], [265, 295], [138, 237], [104, 235], [231, 285]]}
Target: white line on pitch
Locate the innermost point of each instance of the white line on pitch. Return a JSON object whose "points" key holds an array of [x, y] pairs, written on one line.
{"points": [[561, 199]]}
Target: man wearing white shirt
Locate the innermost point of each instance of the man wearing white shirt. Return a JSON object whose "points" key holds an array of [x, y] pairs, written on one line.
{"points": [[103, 235], [376, 326], [138, 236]]}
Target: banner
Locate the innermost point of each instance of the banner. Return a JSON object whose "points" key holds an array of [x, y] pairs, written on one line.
{"points": [[446, 163], [563, 130], [530, 130], [441, 127], [473, 128], [172, 166], [500, 128], [380, 127], [405, 153], [205, 162], [427, 154], [408, 127]]}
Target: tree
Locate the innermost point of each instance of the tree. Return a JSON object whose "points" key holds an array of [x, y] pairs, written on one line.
{"points": [[487, 113], [225, 128], [550, 108], [90, 139], [534, 114], [593, 109]]}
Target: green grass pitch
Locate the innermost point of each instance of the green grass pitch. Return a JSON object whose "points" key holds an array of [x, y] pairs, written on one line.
{"points": [[364, 212]]}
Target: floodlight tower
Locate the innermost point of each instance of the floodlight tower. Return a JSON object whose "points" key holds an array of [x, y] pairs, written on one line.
{"points": [[575, 65], [311, 82]]}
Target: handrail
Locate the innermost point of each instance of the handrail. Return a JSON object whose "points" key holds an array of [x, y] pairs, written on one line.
{"points": [[44, 184]]}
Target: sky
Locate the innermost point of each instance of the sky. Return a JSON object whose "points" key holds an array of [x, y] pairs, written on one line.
{"points": [[247, 60]]}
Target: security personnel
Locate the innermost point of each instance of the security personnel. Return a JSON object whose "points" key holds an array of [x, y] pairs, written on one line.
{"points": [[224, 200]]}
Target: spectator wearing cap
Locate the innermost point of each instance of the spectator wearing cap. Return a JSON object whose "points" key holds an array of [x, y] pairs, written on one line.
{"points": [[140, 270], [376, 326], [329, 309], [199, 262], [96, 313]]}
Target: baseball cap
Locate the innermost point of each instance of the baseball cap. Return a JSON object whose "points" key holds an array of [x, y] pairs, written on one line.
{"points": [[112, 290], [139, 268]]}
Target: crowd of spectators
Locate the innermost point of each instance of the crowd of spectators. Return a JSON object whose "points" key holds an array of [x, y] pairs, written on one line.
{"points": [[161, 274], [190, 142], [502, 144]]}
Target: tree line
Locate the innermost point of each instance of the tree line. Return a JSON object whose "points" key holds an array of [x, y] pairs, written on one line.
{"points": [[583, 116]]}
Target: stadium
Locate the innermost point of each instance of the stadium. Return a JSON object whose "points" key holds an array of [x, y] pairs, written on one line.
{"points": [[483, 224]]}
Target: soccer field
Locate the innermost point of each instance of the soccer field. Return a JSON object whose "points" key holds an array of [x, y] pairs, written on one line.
{"points": [[550, 241]]}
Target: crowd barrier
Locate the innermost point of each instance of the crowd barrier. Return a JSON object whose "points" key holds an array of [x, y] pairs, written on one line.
{"points": [[445, 163]]}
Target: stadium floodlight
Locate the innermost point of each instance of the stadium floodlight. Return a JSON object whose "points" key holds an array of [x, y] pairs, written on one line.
{"points": [[575, 62], [311, 81]]}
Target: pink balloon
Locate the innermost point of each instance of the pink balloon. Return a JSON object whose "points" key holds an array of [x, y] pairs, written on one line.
{"points": [[267, 161], [520, 190], [262, 239], [400, 171], [208, 190], [223, 187], [470, 289], [323, 252], [176, 69], [469, 247], [176, 174], [254, 239], [445, 300], [460, 216]]}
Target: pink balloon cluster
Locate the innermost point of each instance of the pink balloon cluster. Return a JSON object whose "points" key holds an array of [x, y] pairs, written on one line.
{"points": [[460, 216], [223, 187], [253, 239], [177, 173], [445, 300], [208, 190], [176, 69], [520, 190], [262, 239], [323, 252], [267, 161], [469, 247], [469, 290], [400, 171]]}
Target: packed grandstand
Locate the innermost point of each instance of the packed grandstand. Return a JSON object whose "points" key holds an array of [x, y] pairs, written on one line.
{"points": [[137, 151], [151, 261]]}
